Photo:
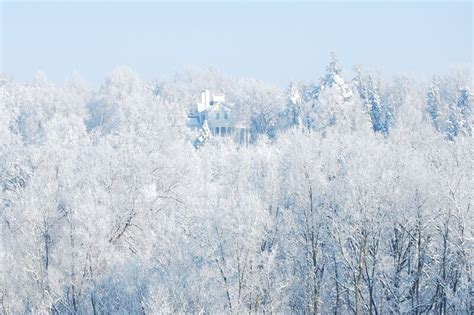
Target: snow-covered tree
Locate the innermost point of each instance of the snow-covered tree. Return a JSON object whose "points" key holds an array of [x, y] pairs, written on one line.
{"points": [[294, 106], [333, 79], [459, 119], [203, 136], [106, 206], [433, 104]]}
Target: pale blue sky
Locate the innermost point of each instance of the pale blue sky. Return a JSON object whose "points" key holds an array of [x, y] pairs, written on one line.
{"points": [[275, 42]]}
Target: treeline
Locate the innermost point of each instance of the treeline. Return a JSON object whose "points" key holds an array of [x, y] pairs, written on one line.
{"points": [[353, 197]]}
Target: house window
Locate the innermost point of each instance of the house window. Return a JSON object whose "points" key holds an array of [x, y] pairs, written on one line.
{"points": [[217, 131], [217, 115], [223, 131], [226, 115]]}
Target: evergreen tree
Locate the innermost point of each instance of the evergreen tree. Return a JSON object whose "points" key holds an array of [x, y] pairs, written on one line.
{"points": [[433, 105], [294, 106], [359, 82], [452, 123], [333, 79], [460, 115], [379, 113], [464, 107], [375, 106], [204, 135]]}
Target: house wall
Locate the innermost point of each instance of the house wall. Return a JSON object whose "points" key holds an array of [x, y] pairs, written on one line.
{"points": [[219, 118]]}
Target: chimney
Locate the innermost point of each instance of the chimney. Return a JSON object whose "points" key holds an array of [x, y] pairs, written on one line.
{"points": [[203, 98], [207, 97]]}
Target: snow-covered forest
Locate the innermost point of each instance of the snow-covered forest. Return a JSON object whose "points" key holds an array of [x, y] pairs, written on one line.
{"points": [[354, 196]]}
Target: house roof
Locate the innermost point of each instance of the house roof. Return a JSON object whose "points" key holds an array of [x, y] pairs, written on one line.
{"points": [[193, 121], [217, 107]]}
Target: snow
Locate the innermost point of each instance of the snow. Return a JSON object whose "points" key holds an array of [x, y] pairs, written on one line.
{"points": [[349, 200]]}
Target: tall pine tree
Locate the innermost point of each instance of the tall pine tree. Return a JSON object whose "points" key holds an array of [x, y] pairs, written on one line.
{"points": [[433, 104]]}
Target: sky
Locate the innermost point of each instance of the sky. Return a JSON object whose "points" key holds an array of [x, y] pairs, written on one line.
{"points": [[275, 42]]}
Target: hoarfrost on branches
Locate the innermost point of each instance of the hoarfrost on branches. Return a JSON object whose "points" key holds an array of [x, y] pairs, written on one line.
{"points": [[350, 196]]}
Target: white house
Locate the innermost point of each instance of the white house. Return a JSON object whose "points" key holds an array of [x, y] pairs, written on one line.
{"points": [[221, 120]]}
